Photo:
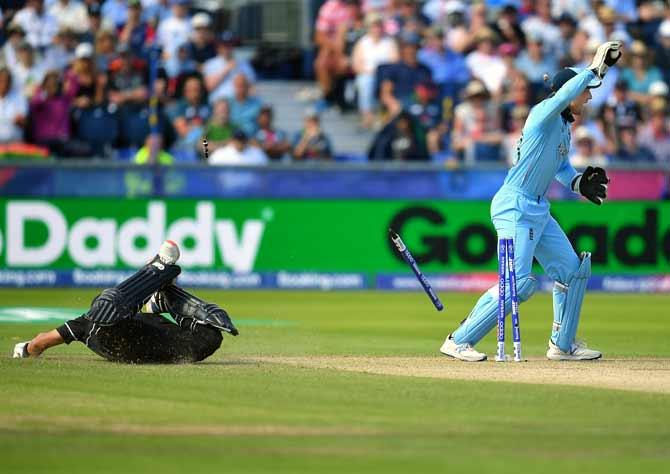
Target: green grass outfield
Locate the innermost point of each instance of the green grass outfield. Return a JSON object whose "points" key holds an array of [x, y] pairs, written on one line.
{"points": [[245, 410]]}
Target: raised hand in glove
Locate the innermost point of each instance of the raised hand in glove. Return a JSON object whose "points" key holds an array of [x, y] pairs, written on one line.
{"points": [[592, 184], [606, 56]]}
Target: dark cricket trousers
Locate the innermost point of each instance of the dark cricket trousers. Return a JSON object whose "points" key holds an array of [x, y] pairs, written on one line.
{"points": [[145, 339]]}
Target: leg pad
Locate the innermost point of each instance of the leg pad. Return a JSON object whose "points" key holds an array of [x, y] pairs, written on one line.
{"points": [[126, 299]]}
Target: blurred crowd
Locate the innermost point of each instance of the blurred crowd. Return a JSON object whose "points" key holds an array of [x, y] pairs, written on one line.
{"points": [[454, 80], [441, 80], [135, 80]]}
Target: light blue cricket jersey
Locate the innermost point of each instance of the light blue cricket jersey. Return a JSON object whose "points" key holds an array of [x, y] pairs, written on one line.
{"points": [[542, 150]]}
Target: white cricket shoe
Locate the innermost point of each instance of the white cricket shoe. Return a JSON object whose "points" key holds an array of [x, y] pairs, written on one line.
{"points": [[579, 351], [21, 350], [463, 351]]}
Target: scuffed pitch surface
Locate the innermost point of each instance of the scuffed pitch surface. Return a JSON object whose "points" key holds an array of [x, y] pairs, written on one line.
{"points": [[641, 375]]}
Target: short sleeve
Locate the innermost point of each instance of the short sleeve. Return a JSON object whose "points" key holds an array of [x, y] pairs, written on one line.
{"points": [[74, 329]]}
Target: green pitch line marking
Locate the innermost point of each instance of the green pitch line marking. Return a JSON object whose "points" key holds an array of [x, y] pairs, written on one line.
{"points": [[29, 314]]}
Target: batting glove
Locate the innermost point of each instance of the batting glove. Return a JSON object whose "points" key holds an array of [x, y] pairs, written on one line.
{"points": [[21, 350], [606, 56]]}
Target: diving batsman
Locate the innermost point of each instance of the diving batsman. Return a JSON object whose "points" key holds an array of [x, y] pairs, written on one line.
{"points": [[124, 323], [520, 210]]}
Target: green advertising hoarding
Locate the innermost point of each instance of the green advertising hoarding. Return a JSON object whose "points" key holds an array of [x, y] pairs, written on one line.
{"points": [[321, 235]]}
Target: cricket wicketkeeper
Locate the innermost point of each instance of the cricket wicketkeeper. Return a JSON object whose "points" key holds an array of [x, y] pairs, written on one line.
{"points": [[117, 328], [520, 210]]}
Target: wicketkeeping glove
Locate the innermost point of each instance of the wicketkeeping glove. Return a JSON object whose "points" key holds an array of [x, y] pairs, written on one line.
{"points": [[606, 56], [592, 184]]}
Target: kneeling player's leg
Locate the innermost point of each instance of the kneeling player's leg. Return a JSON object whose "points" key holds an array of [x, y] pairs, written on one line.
{"points": [[483, 316], [571, 274], [125, 299]]}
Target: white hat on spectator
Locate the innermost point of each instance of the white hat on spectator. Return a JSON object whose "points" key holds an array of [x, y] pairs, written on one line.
{"points": [[84, 50], [583, 133], [658, 88], [664, 29], [454, 6], [201, 20]]}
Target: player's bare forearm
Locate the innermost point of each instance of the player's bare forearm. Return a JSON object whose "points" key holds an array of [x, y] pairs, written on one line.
{"points": [[44, 341]]}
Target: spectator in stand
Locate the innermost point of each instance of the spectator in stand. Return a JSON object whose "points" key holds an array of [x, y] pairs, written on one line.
{"points": [[175, 30], [153, 142], [508, 53], [115, 12], [399, 140], [105, 49], [331, 62], [577, 50], [311, 143], [603, 24], [662, 50], [586, 154], [485, 64], [239, 152], [399, 80], [655, 135], [369, 52], [70, 14], [478, 23], [576, 8], [8, 54], [519, 95], [59, 55], [511, 141], [136, 32], [640, 75], [629, 148], [220, 71], [542, 22], [244, 108], [81, 78], [349, 34], [50, 118], [658, 89], [180, 65], [13, 110], [95, 24], [534, 63], [201, 47], [568, 27], [508, 28], [456, 27], [426, 114], [272, 141], [188, 117], [156, 11], [408, 18], [26, 73], [219, 129], [476, 135], [625, 112], [448, 68], [95, 121], [128, 79], [40, 27]]}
